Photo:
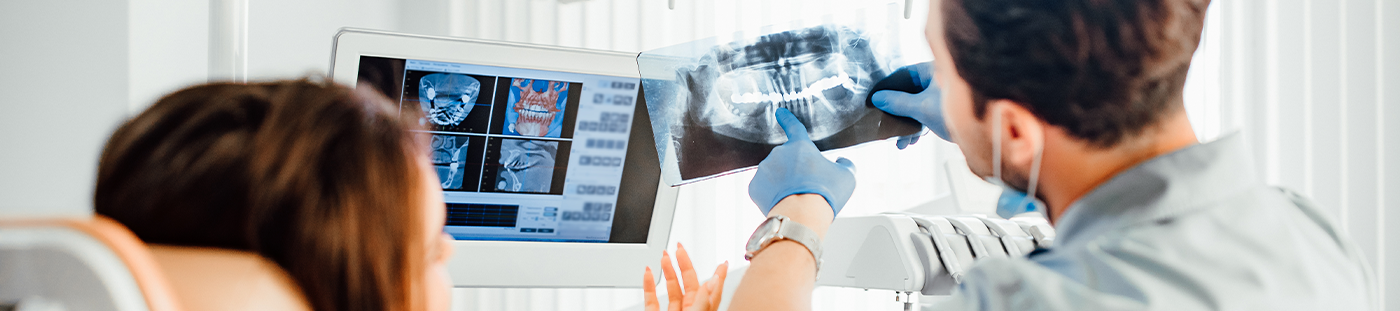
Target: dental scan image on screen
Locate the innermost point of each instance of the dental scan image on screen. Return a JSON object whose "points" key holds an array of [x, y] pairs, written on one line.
{"points": [[520, 155], [526, 165], [536, 107], [715, 104], [450, 102], [452, 157]]}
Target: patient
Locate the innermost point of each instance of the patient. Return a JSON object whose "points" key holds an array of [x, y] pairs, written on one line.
{"points": [[325, 183]]}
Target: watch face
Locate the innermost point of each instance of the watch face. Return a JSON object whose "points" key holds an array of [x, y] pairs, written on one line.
{"points": [[767, 229]]}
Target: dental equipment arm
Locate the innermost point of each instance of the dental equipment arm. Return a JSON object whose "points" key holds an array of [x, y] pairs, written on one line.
{"points": [[922, 253]]}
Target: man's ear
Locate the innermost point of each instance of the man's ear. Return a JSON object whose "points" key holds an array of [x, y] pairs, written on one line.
{"points": [[1022, 133]]}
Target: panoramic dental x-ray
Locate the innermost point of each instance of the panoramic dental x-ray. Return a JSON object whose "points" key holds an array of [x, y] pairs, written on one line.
{"points": [[717, 111]]}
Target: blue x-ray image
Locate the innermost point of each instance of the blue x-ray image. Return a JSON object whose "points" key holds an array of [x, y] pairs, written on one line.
{"points": [[447, 98], [536, 108], [712, 105], [526, 165], [449, 155], [821, 74]]}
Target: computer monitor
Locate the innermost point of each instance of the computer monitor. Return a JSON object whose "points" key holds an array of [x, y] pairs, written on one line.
{"points": [[546, 155]]}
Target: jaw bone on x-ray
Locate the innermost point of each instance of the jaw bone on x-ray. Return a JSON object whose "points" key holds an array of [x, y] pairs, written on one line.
{"points": [[715, 113], [821, 74], [447, 98], [526, 165], [449, 159]]}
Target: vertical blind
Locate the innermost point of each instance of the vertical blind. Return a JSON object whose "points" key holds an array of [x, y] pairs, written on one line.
{"points": [[1312, 84]]}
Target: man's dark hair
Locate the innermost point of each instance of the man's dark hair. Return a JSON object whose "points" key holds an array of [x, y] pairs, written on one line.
{"points": [[1103, 70]]}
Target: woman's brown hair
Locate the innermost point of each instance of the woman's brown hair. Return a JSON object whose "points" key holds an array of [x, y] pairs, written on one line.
{"points": [[316, 177]]}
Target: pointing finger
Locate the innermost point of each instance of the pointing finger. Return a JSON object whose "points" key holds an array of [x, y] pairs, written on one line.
{"points": [[792, 126]]}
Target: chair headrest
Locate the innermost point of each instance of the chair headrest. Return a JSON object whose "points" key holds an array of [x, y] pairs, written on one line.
{"points": [[82, 263], [222, 279]]}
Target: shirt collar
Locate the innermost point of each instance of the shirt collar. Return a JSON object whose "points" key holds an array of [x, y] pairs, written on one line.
{"points": [[1170, 184]]}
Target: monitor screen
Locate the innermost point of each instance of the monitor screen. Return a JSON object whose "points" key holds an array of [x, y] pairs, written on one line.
{"points": [[522, 154]]}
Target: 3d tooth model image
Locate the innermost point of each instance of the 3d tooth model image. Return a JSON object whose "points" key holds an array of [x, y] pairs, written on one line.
{"points": [[447, 98], [537, 109], [821, 74]]}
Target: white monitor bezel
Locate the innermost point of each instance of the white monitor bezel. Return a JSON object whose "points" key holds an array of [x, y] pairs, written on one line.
{"points": [[522, 264]]}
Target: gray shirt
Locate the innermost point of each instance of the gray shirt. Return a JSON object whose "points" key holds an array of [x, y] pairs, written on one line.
{"points": [[1190, 230]]}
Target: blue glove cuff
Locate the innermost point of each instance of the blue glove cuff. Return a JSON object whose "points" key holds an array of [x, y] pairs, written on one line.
{"points": [[835, 208]]}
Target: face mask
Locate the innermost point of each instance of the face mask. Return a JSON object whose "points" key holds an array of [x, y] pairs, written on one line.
{"points": [[1013, 201]]}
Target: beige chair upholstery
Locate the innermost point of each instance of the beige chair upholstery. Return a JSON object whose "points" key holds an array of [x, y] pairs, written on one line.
{"points": [[78, 264], [211, 279]]}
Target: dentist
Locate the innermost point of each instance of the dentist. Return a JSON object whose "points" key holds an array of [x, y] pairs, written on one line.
{"points": [[1075, 108]]}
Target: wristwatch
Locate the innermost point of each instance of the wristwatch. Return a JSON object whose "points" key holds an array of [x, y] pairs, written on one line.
{"points": [[779, 228]]}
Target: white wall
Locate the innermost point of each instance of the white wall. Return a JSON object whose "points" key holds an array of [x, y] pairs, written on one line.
{"points": [[74, 70], [64, 72], [169, 48], [292, 39]]}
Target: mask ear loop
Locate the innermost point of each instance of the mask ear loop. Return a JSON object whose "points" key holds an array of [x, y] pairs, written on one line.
{"points": [[1035, 162], [996, 148], [1035, 171]]}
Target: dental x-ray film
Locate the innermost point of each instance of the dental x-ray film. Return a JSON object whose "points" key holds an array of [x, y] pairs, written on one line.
{"points": [[712, 105]]}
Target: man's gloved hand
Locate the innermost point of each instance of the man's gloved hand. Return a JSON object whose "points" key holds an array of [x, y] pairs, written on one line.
{"points": [[925, 106], [797, 167]]}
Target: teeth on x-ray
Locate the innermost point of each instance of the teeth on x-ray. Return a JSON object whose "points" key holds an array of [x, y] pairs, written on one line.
{"points": [[526, 165], [821, 74], [449, 159], [447, 98]]}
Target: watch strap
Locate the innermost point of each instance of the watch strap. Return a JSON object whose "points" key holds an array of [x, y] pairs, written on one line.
{"points": [[797, 232]]}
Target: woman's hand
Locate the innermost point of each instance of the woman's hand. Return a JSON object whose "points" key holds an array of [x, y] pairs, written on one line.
{"points": [[695, 297]]}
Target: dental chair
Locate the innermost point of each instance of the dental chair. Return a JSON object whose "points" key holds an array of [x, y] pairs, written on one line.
{"points": [[220, 279], [78, 264], [97, 264]]}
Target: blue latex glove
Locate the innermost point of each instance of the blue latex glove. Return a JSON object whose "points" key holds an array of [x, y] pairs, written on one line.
{"points": [[797, 167], [925, 106]]}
